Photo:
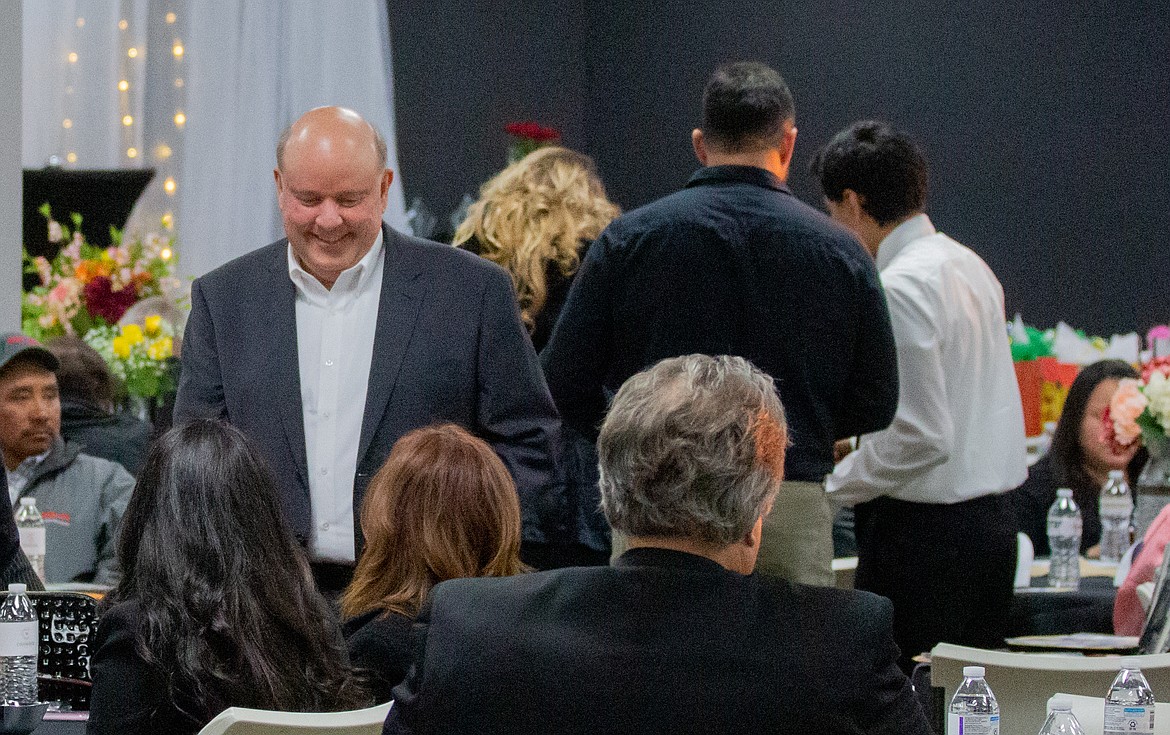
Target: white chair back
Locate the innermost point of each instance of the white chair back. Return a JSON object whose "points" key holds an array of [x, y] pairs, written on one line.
{"points": [[1124, 565], [243, 721], [1023, 682], [1025, 555]]}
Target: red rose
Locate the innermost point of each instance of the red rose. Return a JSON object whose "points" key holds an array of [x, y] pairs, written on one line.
{"points": [[102, 300]]}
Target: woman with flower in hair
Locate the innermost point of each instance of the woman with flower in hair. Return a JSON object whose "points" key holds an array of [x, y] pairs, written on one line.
{"points": [[1080, 458], [536, 218], [443, 506]]}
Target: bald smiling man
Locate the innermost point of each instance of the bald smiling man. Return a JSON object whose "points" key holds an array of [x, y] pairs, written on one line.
{"points": [[327, 346]]}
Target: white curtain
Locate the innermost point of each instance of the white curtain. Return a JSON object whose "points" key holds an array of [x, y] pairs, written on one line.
{"points": [[211, 85]]}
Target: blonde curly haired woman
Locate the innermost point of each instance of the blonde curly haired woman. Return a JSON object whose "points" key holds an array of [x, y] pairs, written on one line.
{"points": [[536, 218]]}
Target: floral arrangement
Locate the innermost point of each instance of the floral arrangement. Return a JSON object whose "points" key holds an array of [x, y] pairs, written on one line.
{"points": [[138, 356], [1141, 407], [527, 137], [85, 286]]}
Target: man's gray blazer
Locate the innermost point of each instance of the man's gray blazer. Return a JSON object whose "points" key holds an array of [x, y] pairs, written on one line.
{"points": [[449, 346]]}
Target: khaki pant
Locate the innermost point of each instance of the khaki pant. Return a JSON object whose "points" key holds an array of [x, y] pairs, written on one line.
{"points": [[798, 536]]}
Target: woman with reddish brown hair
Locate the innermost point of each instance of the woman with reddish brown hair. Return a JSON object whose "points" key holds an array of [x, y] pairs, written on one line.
{"points": [[443, 506]]}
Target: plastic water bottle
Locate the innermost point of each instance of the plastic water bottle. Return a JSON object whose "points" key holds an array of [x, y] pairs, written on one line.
{"points": [[1129, 705], [1116, 508], [18, 647], [973, 709], [32, 534], [1064, 540], [1061, 720]]}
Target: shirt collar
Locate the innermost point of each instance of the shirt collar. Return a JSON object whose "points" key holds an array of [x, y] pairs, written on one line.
{"points": [[18, 478], [351, 280], [916, 227], [744, 174]]}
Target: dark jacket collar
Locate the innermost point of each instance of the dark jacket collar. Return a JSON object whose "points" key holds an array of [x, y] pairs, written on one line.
{"points": [[737, 174], [645, 556], [61, 454]]}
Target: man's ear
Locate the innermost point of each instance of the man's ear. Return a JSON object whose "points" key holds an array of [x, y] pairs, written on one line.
{"points": [[700, 145], [276, 177], [788, 145]]}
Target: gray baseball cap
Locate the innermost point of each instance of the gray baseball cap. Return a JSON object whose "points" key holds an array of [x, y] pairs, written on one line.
{"points": [[15, 344]]}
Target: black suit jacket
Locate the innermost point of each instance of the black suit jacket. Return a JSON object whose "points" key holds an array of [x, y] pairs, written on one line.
{"points": [[449, 346], [662, 642]]}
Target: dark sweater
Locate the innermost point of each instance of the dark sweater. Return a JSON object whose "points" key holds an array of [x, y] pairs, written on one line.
{"points": [[379, 649]]}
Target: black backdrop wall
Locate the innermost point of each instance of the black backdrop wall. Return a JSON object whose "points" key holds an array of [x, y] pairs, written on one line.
{"points": [[1045, 122]]}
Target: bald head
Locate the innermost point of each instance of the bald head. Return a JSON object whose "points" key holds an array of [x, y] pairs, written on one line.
{"points": [[331, 127]]}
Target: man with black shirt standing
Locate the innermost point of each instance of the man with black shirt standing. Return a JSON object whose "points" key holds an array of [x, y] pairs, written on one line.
{"points": [[735, 264]]}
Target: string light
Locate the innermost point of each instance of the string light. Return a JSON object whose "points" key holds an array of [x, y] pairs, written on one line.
{"points": [[162, 150], [169, 186], [72, 57], [168, 221], [132, 52], [66, 123], [132, 153], [69, 89], [179, 83], [180, 119], [170, 17], [127, 120], [71, 157], [81, 22], [123, 85], [123, 24], [177, 50]]}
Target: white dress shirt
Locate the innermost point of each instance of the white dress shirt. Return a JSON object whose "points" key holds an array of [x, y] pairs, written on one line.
{"points": [[335, 347], [959, 430], [19, 477]]}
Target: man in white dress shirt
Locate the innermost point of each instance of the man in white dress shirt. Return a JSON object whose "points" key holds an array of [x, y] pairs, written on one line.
{"points": [[933, 531], [324, 348]]}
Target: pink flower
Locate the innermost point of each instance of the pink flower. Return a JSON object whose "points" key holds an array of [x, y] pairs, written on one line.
{"points": [[44, 269], [1127, 404], [65, 292], [55, 232]]}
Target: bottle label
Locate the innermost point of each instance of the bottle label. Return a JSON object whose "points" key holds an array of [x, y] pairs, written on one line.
{"points": [[1116, 505], [32, 541], [972, 724], [1064, 527], [19, 639], [1134, 718]]}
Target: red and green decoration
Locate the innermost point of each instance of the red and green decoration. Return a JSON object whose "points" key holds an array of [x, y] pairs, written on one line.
{"points": [[525, 137]]}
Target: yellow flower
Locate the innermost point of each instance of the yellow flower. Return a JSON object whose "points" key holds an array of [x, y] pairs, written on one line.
{"points": [[153, 323], [132, 333], [161, 349], [122, 346]]}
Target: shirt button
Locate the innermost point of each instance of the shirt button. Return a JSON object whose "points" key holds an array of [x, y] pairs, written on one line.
{"points": [[328, 363], [325, 526], [326, 414], [324, 470]]}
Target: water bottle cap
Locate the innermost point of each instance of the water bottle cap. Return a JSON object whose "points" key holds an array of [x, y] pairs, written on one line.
{"points": [[17, 588], [28, 501], [1116, 474], [1064, 492], [974, 672], [1131, 663], [1060, 702]]}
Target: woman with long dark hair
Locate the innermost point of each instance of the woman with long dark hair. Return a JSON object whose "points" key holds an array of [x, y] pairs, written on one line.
{"points": [[443, 506], [216, 606], [1079, 458]]}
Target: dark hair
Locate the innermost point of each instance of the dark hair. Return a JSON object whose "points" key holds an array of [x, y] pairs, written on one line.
{"points": [[82, 375], [1067, 455], [443, 506], [229, 612], [745, 106], [882, 164]]}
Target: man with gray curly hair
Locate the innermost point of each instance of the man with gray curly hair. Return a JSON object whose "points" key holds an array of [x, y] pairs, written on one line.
{"points": [[679, 635]]}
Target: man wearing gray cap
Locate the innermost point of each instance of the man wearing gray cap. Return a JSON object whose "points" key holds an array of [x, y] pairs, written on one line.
{"points": [[80, 497]]}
